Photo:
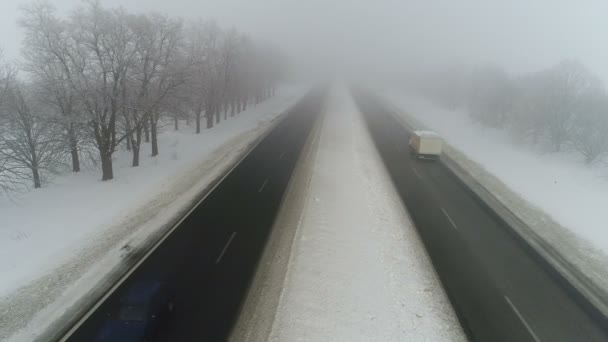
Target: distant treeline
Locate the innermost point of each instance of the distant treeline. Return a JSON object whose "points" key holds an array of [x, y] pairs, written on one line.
{"points": [[561, 108], [102, 79]]}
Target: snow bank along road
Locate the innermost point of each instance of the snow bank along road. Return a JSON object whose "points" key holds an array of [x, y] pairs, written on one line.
{"points": [[211, 256], [500, 288]]}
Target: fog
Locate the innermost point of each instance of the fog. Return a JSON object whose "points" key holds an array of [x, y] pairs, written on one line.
{"points": [[126, 116], [391, 35]]}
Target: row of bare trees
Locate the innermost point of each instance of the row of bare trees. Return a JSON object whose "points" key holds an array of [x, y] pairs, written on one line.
{"points": [[564, 107], [102, 79]]}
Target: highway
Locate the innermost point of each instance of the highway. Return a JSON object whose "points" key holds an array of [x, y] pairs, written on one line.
{"points": [[212, 255], [499, 288]]}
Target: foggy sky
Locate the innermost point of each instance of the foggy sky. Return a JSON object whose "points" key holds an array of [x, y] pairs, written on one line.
{"points": [[521, 35]]}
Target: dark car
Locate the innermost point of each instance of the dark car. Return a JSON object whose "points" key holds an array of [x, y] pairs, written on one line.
{"points": [[142, 311]]}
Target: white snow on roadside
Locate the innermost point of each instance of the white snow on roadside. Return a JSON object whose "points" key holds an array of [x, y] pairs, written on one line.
{"points": [[47, 234], [573, 194], [358, 270]]}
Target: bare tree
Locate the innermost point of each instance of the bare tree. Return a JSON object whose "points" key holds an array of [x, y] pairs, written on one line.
{"points": [[549, 102], [11, 174], [273, 62], [47, 60], [205, 71], [527, 118], [28, 141], [105, 77], [170, 73], [241, 82], [562, 106], [194, 91], [230, 51], [213, 86], [561, 98], [177, 108], [590, 136], [156, 75], [448, 86], [195, 50], [491, 97], [102, 54]]}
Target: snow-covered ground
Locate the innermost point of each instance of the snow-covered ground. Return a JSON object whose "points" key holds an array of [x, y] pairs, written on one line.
{"points": [[57, 241], [565, 199], [358, 270]]}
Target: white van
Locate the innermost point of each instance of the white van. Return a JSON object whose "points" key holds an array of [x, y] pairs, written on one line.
{"points": [[426, 144]]}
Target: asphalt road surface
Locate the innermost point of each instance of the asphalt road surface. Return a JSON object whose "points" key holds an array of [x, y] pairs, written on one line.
{"points": [[499, 288], [211, 257]]}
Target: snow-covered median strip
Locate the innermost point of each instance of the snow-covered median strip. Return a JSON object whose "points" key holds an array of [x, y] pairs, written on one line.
{"points": [[57, 243], [561, 200], [358, 270]]}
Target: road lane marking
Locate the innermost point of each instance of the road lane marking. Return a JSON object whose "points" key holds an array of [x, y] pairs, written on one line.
{"points": [[263, 185], [522, 319], [219, 258], [449, 218], [416, 172], [282, 155]]}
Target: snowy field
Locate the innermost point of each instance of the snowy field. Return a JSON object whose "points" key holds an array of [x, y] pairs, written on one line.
{"points": [[72, 231], [358, 270], [558, 184]]}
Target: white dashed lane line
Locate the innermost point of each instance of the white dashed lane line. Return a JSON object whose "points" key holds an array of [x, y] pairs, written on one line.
{"points": [[449, 219], [219, 258], [263, 185], [522, 319], [416, 173]]}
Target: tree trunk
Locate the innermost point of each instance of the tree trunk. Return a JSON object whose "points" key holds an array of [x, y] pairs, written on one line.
{"points": [[75, 159], [209, 117], [136, 147], [176, 123], [154, 131], [556, 144], [232, 108], [35, 162], [135, 156], [74, 149], [225, 112], [198, 121], [36, 176], [146, 130], [218, 115], [106, 166], [128, 139], [244, 104], [125, 114]]}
